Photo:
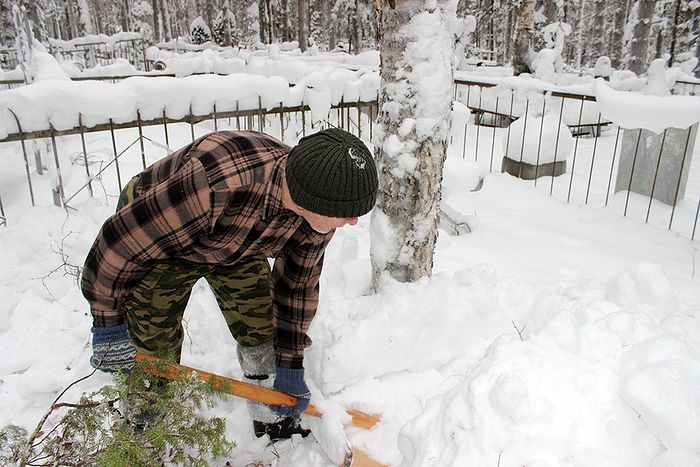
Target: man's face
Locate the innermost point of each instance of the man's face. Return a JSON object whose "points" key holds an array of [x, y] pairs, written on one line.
{"points": [[324, 224]]}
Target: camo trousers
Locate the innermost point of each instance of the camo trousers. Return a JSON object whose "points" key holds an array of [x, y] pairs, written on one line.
{"points": [[157, 304]]}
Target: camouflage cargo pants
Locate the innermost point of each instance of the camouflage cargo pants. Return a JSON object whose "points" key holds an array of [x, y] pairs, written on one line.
{"points": [[157, 304]]}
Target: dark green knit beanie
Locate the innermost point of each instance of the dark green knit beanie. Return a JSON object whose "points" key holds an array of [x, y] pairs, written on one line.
{"points": [[332, 173]]}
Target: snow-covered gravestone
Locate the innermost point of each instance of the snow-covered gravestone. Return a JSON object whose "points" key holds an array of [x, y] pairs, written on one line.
{"points": [[603, 68], [656, 164], [537, 146]]}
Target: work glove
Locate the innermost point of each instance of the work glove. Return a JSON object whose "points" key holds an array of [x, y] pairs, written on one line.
{"points": [[291, 381], [112, 349]]}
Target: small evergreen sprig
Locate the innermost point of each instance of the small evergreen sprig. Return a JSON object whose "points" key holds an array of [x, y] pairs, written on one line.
{"points": [[140, 420]]}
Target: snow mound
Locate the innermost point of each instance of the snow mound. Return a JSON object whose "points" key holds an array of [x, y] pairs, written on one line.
{"points": [[662, 384]]}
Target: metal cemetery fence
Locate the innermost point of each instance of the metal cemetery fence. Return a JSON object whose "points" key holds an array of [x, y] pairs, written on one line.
{"points": [[647, 177], [44, 150], [637, 173]]}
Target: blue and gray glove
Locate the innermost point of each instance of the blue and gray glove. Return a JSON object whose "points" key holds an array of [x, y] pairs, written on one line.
{"points": [[291, 381], [112, 349]]}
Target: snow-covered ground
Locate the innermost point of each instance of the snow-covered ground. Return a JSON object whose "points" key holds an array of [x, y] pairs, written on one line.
{"points": [[551, 335], [602, 370]]}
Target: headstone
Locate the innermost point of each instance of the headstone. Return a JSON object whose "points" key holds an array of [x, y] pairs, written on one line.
{"points": [[656, 165]]}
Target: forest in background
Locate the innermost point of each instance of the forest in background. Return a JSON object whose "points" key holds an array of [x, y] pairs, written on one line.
{"points": [[632, 33]]}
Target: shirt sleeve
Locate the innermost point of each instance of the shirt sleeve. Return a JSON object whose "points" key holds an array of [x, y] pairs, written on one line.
{"points": [[295, 293], [161, 221]]}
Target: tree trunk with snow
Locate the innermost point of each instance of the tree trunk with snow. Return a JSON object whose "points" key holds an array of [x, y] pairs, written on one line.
{"points": [[248, 23], [318, 24], [302, 23], [72, 26], [411, 135], [355, 29], [157, 21], [7, 29], [165, 19], [125, 15], [637, 40], [596, 37], [265, 18], [282, 21], [523, 30], [85, 18]]}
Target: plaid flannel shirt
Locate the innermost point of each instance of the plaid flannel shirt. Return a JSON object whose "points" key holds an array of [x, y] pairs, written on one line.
{"points": [[217, 200]]}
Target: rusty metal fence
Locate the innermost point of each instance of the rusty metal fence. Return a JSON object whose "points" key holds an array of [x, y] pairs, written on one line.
{"points": [[45, 153], [558, 142], [647, 177]]}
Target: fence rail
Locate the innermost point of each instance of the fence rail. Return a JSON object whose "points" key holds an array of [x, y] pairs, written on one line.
{"points": [[51, 145], [638, 174], [558, 142]]}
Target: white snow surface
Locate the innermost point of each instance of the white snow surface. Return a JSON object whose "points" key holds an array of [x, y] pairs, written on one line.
{"points": [[55, 100], [540, 140], [602, 369], [654, 113], [552, 335]]}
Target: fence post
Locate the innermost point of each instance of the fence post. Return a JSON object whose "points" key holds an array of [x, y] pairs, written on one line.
{"points": [[85, 158], [57, 190]]}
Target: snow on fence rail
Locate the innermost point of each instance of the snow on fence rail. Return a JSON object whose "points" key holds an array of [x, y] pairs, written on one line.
{"points": [[566, 147], [558, 141]]}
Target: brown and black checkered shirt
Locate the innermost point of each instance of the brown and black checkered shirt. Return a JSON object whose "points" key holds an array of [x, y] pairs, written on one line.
{"points": [[217, 200]]}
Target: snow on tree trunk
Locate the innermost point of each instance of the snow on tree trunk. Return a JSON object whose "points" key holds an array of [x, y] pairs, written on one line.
{"points": [[142, 12], [157, 21], [23, 40], [250, 24], [7, 32], [265, 19], [85, 17], [125, 15], [72, 27], [282, 21], [223, 25], [354, 29], [318, 24], [615, 32], [521, 45], [581, 46], [596, 34], [165, 17], [302, 21], [411, 136], [637, 36]]}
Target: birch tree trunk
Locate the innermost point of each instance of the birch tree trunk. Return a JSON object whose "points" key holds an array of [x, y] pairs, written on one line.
{"points": [[521, 46], [411, 135]]}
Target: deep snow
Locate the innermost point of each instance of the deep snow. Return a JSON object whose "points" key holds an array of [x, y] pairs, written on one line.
{"points": [[551, 335]]}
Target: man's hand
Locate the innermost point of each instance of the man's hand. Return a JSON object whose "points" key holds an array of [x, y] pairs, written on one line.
{"points": [[291, 381], [112, 349]]}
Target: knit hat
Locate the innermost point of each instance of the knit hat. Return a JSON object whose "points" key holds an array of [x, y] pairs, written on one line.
{"points": [[332, 173]]}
